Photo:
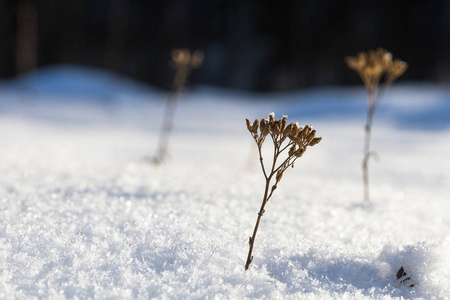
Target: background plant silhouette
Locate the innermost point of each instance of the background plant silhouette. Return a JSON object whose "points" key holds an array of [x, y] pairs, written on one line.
{"points": [[372, 66], [183, 61]]}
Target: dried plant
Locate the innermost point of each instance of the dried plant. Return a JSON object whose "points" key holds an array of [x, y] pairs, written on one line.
{"points": [[372, 67], [290, 138], [403, 277], [183, 62]]}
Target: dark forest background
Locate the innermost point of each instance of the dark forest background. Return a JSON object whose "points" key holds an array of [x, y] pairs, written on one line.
{"points": [[258, 45]]}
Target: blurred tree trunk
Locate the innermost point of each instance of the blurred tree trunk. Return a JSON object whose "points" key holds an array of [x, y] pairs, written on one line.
{"points": [[27, 37]]}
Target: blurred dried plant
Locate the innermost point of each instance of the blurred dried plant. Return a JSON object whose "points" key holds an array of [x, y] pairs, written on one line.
{"points": [[290, 138], [183, 61], [372, 67]]}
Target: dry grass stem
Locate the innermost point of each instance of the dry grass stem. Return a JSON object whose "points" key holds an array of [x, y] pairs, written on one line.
{"points": [[372, 67], [183, 61], [289, 139]]}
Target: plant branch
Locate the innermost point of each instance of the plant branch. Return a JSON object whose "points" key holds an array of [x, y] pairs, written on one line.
{"points": [[368, 131], [372, 66], [287, 146], [275, 128], [184, 62], [275, 155], [261, 161], [255, 230]]}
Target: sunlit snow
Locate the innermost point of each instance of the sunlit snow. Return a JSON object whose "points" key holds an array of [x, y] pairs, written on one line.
{"points": [[83, 214]]}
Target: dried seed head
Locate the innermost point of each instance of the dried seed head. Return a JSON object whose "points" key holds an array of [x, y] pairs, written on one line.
{"points": [[300, 152], [315, 141], [249, 125], [354, 63], [271, 126], [371, 75], [300, 138], [181, 57], [197, 59], [376, 57], [255, 126], [374, 72], [304, 132], [299, 134], [287, 130], [311, 136], [386, 60], [373, 64], [397, 69], [276, 127], [357, 63], [294, 131], [283, 124], [292, 150], [264, 127]]}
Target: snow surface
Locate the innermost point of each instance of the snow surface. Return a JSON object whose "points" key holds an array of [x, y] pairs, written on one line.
{"points": [[84, 215]]}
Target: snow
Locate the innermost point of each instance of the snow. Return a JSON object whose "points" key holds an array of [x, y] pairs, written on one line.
{"points": [[84, 215]]}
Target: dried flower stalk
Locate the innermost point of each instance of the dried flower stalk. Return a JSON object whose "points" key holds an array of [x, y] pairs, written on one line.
{"points": [[372, 66], [290, 138], [183, 62]]}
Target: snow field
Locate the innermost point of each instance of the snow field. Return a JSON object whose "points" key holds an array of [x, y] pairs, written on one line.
{"points": [[83, 215]]}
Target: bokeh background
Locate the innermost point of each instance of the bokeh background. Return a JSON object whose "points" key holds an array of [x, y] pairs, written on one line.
{"points": [[255, 45]]}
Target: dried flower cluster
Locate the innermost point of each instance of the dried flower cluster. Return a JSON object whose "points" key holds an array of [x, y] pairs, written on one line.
{"points": [[183, 61], [183, 57], [290, 137], [371, 67], [299, 137]]}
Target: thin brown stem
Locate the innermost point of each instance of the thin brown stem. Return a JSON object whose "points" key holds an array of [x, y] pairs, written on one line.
{"points": [[286, 161], [372, 66], [368, 131], [265, 198], [275, 154], [284, 148], [274, 187], [261, 162], [260, 214], [169, 114], [381, 92], [272, 128]]}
